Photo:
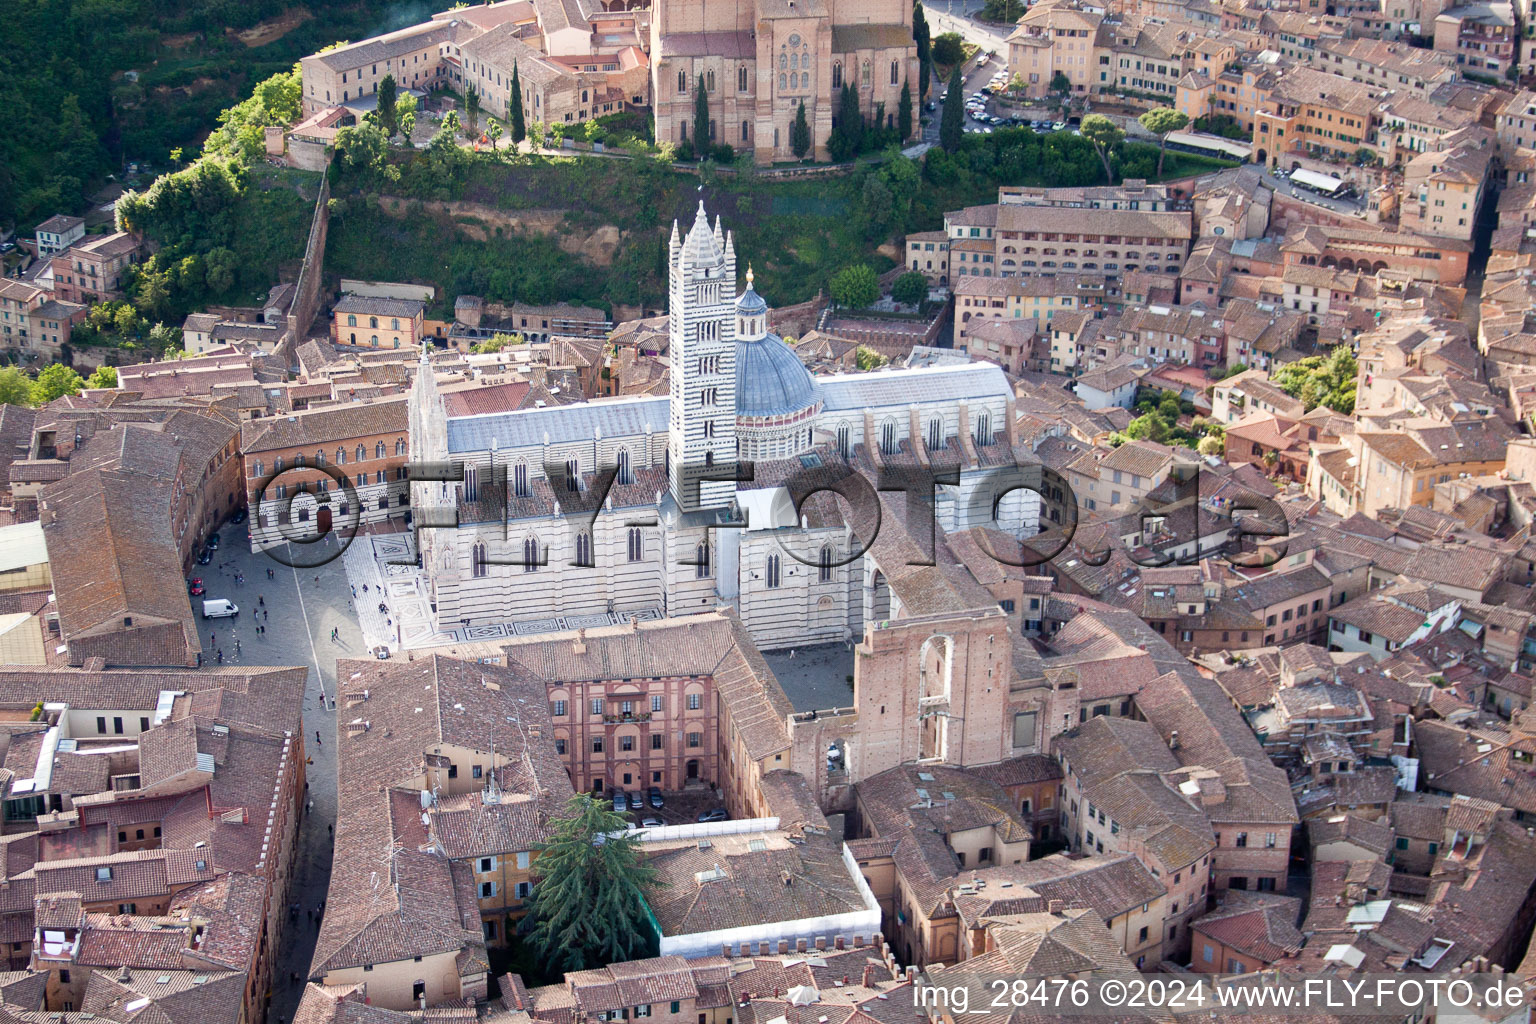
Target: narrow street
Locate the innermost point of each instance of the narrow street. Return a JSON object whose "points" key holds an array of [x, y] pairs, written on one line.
{"points": [[301, 608]]}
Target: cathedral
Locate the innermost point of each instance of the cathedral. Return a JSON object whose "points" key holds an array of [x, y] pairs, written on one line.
{"points": [[759, 60], [720, 492]]}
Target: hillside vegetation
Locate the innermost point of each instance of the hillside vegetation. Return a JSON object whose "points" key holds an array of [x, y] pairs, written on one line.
{"points": [[75, 114]]}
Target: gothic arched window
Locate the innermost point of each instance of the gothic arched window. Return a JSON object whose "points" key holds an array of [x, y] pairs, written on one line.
{"points": [[531, 555], [362, 453], [584, 549], [741, 78], [984, 429], [843, 435], [783, 81], [319, 457], [471, 483], [520, 480], [783, 62], [773, 572], [701, 562], [888, 439], [824, 571], [864, 75], [478, 561], [935, 434], [682, 81], [623, 474], [794, 61], [636, 545], [837, 74], [341, 455]]}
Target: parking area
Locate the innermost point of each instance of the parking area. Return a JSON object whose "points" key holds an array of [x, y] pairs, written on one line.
{"points": [[680, 808]]}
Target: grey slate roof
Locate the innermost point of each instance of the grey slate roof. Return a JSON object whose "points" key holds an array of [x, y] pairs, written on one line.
{"points": [[856, 391], [627, 417]]}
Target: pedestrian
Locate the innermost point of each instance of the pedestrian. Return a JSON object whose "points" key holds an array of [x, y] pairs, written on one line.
{"points": [[317, 581], [237, 645], [261, 602], [269, 574], [317, 735], [309, 808], [365, 588], [311, 913], [354, 590], [221, 655], [330, 830], [212, 639]]}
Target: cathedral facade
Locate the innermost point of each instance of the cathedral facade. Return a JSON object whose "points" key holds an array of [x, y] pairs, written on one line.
{"points": [[759, 60], [679, 504]]}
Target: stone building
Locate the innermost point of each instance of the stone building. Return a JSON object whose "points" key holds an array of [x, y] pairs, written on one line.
{"points": [[644, 505], [759, 60]]}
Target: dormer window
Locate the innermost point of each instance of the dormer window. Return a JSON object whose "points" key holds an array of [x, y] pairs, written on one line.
{"points": [[104, 874]]}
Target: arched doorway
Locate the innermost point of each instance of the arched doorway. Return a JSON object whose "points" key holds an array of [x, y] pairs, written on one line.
{"points": [[692, 769], [323, 521]]}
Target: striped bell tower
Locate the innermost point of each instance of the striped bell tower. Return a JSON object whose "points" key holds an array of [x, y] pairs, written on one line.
{"points": [[701, 310]]}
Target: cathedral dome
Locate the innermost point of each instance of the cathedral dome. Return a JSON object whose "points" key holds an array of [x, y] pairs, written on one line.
{"points": [[770, 379]]}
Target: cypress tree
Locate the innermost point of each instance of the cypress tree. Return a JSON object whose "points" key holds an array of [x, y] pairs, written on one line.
{"points": [[701, 121], [515, 109], [952, 121], [904, 112]]}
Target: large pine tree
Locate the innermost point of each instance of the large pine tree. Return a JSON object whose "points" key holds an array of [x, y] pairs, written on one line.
{"points": [[588, 904], [515, 108]]}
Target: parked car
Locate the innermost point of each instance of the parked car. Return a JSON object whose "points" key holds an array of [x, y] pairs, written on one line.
{"points": [[620, 802], [213, 542], [981, 61], [932, 106], [717, 814], [1058, 126], [195, 586], [238, 517], [651, 823], [8, 247], [655, 798], [635, 803], [204, 557]]}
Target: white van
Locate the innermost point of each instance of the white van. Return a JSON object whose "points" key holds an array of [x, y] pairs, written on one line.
{"points": [[218, 608]]}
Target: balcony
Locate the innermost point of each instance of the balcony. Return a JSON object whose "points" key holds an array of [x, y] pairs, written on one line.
{"points": [[621, 718]]}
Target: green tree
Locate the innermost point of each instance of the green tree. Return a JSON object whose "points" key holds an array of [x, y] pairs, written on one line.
{"points": [[1322, 380], [387, 118], [910, 288], [153, 291], [1061, 84], [952, 121], [588, 904], [1210, 445], [515, 109], [16, 388], [495, 131], [1105, 136], [407, 124], [949, 49], [220, 265], [866, 358], [472, 109], [855, 287], [701, 139], [848, 135], [904, 113], [536, 135], [56, 381], [362, 147], [104, 377], [125, 320], [1008, 11], [1160, 121], [800, 133], [451, 123], [497, 342], [1147, 427]]}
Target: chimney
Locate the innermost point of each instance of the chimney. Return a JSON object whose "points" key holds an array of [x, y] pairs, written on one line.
{"points": [[1055, 906], [579, 645], [869, 976], [1173, 740]]}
